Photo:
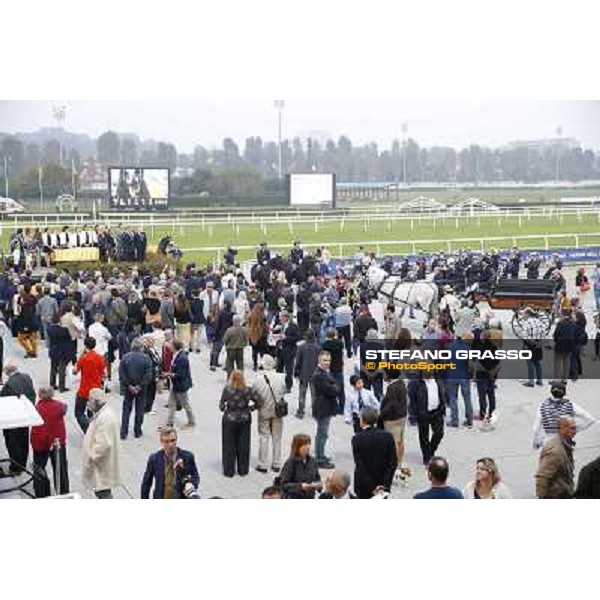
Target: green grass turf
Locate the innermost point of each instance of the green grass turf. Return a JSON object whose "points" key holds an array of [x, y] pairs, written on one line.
{"points": [[441, 232]]}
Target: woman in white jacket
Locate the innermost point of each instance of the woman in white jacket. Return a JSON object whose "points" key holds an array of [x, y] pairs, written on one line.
{"points": [[487, 484], [101, 470]]}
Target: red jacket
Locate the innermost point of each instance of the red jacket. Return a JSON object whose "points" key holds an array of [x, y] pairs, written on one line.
{"points": [[92, 368], [53, 414]]}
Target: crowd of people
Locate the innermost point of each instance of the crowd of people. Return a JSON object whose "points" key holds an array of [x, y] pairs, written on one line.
{"points": [[305, 326], [32, 248]]}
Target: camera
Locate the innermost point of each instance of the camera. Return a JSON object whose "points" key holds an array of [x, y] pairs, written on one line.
{"points": [[188, 489], [190, 492]]}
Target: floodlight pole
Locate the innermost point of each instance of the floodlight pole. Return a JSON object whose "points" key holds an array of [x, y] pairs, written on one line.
{"points": [[59, 113], [5, 175], [279, 105], [558, 133], [404, 130], [41, 185]]}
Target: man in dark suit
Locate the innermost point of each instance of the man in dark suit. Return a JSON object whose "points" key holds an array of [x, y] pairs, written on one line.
{"points": [[427, 397], [172, 470], [181, 383], [375, 457], [324, 406], [290, 335]]}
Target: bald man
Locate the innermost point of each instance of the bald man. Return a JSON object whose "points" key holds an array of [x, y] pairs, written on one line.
{"points": [[337, 487], [555, 475]]}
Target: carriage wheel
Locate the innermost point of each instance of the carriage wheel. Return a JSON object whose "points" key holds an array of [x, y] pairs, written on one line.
{"points": [[536, 326]]}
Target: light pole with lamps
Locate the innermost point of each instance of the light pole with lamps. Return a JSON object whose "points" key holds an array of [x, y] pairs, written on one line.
{"points": [[59, 113], [6, 160], [279, 105], [558, 134], [404, 131]]}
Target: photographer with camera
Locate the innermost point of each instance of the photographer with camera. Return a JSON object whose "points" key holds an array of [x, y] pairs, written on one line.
{"points": [[172, 470]]}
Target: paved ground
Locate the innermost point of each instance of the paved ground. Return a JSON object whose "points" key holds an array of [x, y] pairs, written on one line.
{"points": [[509, 443]]}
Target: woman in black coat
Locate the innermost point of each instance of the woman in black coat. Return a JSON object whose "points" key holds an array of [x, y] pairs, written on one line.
{"points": [[237, 403], [300, 477]]}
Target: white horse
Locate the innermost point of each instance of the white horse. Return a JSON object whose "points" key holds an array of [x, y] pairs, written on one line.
{"points": [[416, 295]]}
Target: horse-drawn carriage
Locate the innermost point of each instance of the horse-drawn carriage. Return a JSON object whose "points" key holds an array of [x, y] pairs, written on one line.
{"points": [[531, 300], [417, 295]]}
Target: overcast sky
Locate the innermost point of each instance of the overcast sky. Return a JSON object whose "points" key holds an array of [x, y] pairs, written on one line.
{"points": [[187, 123]]}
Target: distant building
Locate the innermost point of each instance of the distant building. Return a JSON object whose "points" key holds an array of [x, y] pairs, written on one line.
{"points": [[547, 144]]}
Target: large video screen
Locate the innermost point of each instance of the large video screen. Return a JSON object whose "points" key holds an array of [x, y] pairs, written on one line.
{"points": [[312, 188], [137, 188]]}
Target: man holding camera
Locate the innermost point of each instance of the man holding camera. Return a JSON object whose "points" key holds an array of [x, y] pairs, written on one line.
{"points": [[172, 470]]}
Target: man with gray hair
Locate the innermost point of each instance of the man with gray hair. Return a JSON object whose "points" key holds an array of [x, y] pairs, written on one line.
{"points": [[101, 470], [555, 474], [17, 440], [135, 374], [235, 340], [337, 487]]}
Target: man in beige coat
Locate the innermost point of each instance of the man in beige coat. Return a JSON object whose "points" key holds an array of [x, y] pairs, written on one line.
{"points": [[101, 447], [554, 478], [269, 426]]}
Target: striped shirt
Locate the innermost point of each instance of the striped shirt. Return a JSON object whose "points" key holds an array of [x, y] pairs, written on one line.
{"points": [[552, 410]]}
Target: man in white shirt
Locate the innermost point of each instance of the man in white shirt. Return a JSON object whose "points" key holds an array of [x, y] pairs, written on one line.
{"points": [[356, 399], [210, 298], [100, 333]]}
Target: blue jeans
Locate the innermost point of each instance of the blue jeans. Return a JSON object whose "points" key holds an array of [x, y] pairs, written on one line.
{"points": [[129, 400], [321, 438], [452, 386], [597, 297], [534, 371], [216, 351]]}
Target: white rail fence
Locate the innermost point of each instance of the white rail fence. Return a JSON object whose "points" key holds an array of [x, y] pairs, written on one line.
{"points": [[290, 219], [346, 249]]}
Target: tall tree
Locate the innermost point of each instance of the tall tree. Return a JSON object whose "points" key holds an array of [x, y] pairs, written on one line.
{"points": [[51, 153], [231, 153], [166, 155], [33, 156], [12, 148], [108, 147], [201, 157], [128, 152]]}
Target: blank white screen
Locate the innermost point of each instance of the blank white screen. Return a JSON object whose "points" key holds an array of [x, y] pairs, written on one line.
{"points": [[311, 188]]}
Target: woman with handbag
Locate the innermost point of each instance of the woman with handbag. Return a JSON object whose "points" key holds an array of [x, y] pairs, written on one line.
{"points": [[270, 389], [300, 478], [237, 403]]}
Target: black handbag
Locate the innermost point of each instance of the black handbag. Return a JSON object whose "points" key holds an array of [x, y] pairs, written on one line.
{"points": [[281, 406]]}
